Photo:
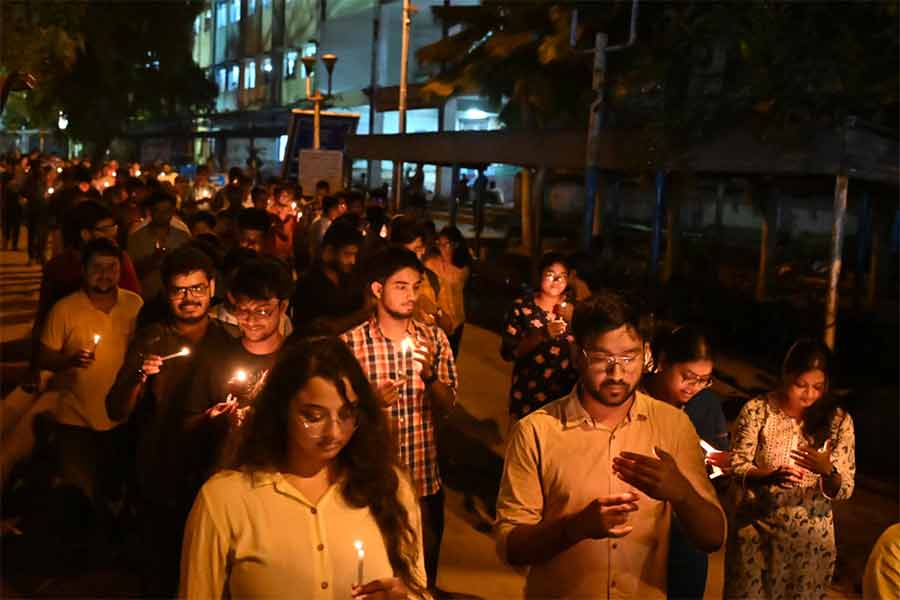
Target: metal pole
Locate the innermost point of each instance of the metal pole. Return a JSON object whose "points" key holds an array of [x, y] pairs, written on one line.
{"points": [[317, 114], [595, 124], [401, 100], [657, 226], [527, 217], [373, 81], [837, 242]]}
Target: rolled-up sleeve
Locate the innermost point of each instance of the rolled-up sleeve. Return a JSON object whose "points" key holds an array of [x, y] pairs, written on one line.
{"points": [[521, 497], [746, 437], [204, 555]]}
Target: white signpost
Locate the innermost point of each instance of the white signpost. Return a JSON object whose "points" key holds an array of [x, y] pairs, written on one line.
{"points": [[318, 165]]}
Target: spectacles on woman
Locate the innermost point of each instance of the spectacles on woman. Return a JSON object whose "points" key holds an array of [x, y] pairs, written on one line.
{"points": [[554, 277], [316, 422], [692, 380]]}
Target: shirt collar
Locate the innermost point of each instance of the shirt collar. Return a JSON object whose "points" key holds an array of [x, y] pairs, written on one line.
{"points": [[575, 415], [375, 327]]}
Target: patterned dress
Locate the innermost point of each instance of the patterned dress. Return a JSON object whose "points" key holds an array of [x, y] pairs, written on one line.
{"points": [[544, 374], [782, 541]]}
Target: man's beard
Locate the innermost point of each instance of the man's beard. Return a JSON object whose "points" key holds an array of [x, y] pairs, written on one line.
{"points": [[596, 394], [190, 320], [399, 315]]}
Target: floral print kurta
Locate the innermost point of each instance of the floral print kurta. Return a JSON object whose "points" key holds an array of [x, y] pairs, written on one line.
{"points": [[544, 374], [782, 540]]}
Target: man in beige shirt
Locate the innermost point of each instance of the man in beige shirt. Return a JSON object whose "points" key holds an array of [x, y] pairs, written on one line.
{"points": [[591, 480]]}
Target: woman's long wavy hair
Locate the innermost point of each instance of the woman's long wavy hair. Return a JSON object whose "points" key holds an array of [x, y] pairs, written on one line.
{"points": [[367, 463], [807, 355]]}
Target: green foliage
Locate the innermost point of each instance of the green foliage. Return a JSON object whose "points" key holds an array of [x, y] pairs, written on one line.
{"points": [[778, 68], [103, 64]]}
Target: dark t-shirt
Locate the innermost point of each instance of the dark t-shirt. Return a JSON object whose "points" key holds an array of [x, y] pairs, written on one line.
{"points": [[317, 298], [157, 415], [705, 412]]}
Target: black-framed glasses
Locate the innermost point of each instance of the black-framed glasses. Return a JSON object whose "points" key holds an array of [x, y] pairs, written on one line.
{"points": [[261, 312], [195, 291], [692, 380]]}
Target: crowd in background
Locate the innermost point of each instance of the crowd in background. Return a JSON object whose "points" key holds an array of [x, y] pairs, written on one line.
{"points": [[218, 363]]}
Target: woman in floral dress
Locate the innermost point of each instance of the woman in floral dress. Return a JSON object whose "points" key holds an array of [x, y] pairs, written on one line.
{"points": [[794, 453], [536, 338]]}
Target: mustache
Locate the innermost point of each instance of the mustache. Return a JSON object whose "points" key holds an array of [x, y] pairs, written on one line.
{"points": [[188, 304], [614, 382]]}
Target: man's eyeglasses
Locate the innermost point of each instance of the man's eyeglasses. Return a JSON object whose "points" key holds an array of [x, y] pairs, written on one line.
{"points": [[262, 312], [554, 277], [692, 380], [600, 361], [316, 424], [195, 291]]}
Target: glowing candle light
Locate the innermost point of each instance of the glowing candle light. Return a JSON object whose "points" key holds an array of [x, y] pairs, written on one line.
{"points": [[50, 191], [360, 558], [96, 340], [384, 231], [183, 352], [708, 449], [240, 376], [59, 169]]}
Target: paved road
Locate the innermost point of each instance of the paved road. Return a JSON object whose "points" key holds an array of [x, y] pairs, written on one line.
{"points": [[473, 441]]}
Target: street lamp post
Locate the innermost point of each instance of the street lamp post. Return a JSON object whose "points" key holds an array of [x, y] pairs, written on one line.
{"points": [[315, 95]]}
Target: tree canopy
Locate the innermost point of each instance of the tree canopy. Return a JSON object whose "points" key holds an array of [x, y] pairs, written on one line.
{"points": [[697, 67], [102, 64]]}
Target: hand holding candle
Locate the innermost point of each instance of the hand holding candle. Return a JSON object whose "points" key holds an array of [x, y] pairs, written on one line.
{"points": [[183, 352], [422, 354], [713, 458]]}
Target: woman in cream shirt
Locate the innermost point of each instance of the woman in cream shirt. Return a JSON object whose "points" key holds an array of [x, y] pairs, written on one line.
{"points": [[314, 506]]}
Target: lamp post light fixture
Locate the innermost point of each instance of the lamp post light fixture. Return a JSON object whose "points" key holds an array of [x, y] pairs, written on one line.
{"points": [[313, 94]]}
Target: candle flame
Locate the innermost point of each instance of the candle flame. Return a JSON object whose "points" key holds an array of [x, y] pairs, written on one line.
{"points": [[96, 338], [358, 545], [184, 351], [59, 169], [50, 190], [240, 375], [406, 345], [384, 232], [137, 173]]}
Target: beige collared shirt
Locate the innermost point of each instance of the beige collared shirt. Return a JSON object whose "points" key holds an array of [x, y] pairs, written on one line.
{"points": [[257, 536], [558, 461]]}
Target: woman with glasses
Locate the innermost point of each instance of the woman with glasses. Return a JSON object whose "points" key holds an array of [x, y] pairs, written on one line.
{"points": [[536, 338], [682, 374], [313, 505], [794, 455]]}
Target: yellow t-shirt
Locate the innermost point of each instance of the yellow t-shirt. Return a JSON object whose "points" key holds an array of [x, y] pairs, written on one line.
{"points": [[70, 327]]}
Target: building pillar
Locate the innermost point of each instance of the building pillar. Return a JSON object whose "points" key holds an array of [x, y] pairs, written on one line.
{"points": [[837, 244]]}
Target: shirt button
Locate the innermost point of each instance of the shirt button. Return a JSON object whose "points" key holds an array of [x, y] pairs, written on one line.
{"points": [[320, 547], [324, 585], [313, 510]]}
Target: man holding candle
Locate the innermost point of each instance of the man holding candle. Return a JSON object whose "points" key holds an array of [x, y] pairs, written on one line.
{"points": [[148, 244], [414, 381], [591, 480], [89, 440], [219, 395], [153, 376]]}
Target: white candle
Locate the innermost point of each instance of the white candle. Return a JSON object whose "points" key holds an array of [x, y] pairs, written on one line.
{"points": [[96, 341], [707, 449], [183, 352], [360, 558]]}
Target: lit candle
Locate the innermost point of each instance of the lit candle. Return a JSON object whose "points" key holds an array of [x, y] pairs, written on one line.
{"points": [[59, 169], [96, 341], [708, 449], [360, 557], [406, 348], [240, 376], [384, 232], [183, 352], [137, 173], [50, 191]]}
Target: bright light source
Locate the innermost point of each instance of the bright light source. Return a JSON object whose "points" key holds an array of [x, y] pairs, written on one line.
{"points": [[63, 121], [475, 114]]}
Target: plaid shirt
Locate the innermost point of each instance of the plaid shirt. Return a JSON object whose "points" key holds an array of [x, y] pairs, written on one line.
{"points": [[411, 418]]}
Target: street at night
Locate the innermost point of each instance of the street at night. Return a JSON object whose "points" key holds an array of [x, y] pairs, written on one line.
{"points": [[367, 299]]}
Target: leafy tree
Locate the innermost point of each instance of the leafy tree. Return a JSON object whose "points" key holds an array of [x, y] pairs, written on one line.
{"points": [[103, 64], [697, 68]]}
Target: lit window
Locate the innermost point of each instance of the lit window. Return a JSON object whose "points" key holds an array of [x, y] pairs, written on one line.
{"points": [[221, 14], [197, 25], [290, 64], [251, 7], [207, 19], [234, 75], [310, 48], [250, 75], [234, 11], [221, 79], [266, 3], [266, 68]]}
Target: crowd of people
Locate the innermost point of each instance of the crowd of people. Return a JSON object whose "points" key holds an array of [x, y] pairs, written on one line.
{"points": [[258, 375]]}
